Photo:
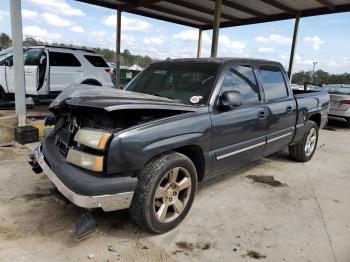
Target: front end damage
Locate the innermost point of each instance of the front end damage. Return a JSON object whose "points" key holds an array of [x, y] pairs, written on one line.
{"points": [[75, 154]]}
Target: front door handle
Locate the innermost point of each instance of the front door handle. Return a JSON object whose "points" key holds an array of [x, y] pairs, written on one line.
{"points": [[289, 109], [262, 115]]}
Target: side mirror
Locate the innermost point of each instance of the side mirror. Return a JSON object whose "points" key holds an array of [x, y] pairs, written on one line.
{"points": [[230, 99]]}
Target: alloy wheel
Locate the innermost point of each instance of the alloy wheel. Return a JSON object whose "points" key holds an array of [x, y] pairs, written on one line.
{"points": [[172, 194], [310, 142]]}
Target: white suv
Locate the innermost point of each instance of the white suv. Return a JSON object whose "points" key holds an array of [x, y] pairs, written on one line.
{"points": [[50, 69]]}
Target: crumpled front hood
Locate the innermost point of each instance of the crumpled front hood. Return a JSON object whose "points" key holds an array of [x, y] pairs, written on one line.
{"points": [[112, 99]]}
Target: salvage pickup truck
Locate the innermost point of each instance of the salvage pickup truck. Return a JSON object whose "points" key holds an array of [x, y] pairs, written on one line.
{"points": [[177, 123]]}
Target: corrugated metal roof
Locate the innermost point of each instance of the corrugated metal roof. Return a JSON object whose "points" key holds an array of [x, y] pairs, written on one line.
{"points": [[200, 13]]}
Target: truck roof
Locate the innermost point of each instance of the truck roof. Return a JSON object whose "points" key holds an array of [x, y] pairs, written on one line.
{"points": [[222, 60]]}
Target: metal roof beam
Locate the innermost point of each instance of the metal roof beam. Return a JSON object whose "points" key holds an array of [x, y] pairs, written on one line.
{"points": [[113, 5], [327, 4], [243, 9], [164, 18], [281, 6], [179, 14], [104, 3], [130, 5], [204, 9]]}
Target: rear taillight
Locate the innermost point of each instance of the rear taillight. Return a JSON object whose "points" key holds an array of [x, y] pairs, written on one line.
{"points": [[346, 102], [109, 71]]}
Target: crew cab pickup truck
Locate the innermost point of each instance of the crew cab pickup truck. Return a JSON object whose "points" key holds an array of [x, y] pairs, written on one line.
{"points": [[177, 123]]}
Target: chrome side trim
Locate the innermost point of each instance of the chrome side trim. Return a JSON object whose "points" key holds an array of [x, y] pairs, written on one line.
{"points": [[240, 150], [106, 202], [279, 137]]}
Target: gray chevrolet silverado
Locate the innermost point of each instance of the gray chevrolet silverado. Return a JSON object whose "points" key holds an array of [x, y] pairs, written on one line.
{"points": [[177, 123]]}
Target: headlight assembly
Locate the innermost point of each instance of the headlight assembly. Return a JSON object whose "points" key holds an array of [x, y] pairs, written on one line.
{"points": [[85, 160], [96, 139]]}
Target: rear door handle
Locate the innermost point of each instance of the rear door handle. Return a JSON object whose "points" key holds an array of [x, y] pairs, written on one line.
{"points": [[262, 114], [289, 109]]}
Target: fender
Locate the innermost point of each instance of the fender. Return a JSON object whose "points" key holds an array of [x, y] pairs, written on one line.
{"points": [[173, 142]]}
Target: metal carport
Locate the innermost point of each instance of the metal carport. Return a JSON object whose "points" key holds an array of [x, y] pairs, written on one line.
{"points": [[201, 14]]}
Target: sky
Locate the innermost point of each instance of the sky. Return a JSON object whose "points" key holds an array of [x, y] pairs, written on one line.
{"points": [[324, 39]]}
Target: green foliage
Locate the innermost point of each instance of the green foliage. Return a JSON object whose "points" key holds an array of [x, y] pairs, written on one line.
{"points": [[5, 40], [320, 77]]}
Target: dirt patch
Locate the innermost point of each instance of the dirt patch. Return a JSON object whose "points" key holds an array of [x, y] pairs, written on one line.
{"points": [[254, 254], [270, 180], [38, 195], [185, 245], [190, 246]]}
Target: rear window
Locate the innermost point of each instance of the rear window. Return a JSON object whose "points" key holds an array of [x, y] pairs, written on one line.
{"points": [[96, 61], [63, 59], [273, 82]]}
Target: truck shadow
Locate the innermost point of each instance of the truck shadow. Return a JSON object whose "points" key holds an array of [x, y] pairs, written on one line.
{"points": [[335, 125]]}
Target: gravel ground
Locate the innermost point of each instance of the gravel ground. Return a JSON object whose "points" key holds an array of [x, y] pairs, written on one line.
{"points": [[274, 209]]}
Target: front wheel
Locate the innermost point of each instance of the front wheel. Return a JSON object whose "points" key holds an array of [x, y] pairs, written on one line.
{"points": [[304, 150], [3, 95], [165, 192]]}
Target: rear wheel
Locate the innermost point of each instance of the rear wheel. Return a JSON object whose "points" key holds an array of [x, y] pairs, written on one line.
{"points": [[165, 193], [305, 149]]}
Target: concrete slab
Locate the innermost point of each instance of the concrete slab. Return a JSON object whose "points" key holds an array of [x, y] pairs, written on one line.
{"points": [[233, 218]]}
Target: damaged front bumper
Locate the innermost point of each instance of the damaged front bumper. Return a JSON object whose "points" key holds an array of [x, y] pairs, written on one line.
{"points": [[80, 189]]}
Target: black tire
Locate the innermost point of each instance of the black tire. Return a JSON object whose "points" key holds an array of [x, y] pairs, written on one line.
{"points": [[298, 151], [3, 95], [347, 124], [142, 209]]}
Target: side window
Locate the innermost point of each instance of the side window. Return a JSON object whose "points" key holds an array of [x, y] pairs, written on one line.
{"points": [[241, 78], [273, 82], [32, 56], [96, 61], [63, 59]]}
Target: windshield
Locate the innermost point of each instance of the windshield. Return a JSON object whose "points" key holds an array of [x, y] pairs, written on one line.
{"points": [[186, 82]]}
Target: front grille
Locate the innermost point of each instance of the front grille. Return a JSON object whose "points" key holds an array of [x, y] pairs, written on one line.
{"points": [[64, 137]]}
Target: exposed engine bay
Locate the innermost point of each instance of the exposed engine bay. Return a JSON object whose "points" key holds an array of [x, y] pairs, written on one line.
{"points": [[114, 121], [69, 120]]}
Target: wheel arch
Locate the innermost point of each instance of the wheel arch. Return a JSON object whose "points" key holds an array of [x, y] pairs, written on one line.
{"points": [[195, 153], [316, 118], [91, 81]]}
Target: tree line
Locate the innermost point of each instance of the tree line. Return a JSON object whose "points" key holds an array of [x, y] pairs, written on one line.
{"points": [[320, 77]]}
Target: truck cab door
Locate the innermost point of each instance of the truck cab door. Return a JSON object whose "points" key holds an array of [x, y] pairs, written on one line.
{"points": [[281, 108], [238, 133]]}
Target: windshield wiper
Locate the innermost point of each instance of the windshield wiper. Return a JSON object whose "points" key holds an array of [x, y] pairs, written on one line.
{"points": [[157, 94], [171, 98]]}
